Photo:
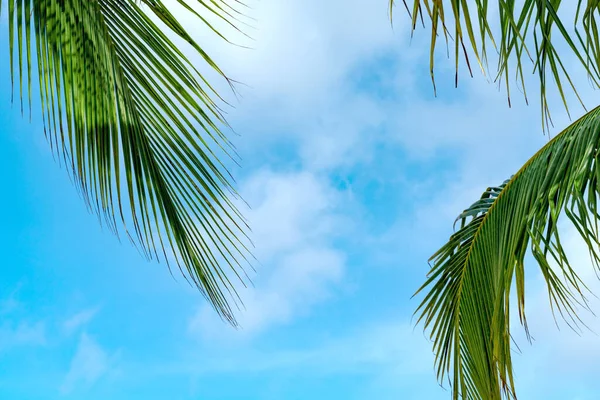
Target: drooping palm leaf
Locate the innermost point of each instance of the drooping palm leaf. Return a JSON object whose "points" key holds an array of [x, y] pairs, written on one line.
{"points": [[137, 125], [525, 34], [466, 305]]}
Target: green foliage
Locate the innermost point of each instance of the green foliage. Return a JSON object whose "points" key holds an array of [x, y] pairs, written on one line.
{"points": [[136, 124], [524, 34], [466, 305]]}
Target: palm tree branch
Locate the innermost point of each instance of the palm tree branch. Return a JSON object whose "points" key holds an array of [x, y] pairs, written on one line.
{"points": [[137, 125], [467, 292], [529, 30]]}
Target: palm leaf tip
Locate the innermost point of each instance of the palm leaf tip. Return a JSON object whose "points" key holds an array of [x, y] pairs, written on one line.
{"points": [[138, 127], [528, 33], [466, 295]]}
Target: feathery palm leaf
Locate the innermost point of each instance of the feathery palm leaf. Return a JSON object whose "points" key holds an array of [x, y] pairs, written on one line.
{"points": [[136, 123], [466, 307], [527, 31]]}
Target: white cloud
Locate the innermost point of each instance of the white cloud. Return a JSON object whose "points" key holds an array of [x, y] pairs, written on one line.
{"points": [[22, 334], [294, 220], [89, 364], [16, 330], [302, 71], [289, 209], [300, 48], [79, 320]]}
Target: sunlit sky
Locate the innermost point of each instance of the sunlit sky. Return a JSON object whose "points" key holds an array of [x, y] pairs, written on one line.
{"points": [[354, 172]]}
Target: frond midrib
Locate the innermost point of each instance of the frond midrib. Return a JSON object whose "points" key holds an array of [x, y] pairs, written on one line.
{"points": [[476, 234]]}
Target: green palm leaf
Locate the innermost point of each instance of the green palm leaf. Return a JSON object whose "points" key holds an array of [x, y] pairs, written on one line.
{"points": [[529, 32], [466, 307], [136, 124]]}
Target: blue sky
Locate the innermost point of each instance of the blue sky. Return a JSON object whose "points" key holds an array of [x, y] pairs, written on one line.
{"points": [[354, 172]]}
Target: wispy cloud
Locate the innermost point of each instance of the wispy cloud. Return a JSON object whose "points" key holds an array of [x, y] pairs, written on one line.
{"points": [[293, 218], [22, 334], [79, 320], [90, 363]]}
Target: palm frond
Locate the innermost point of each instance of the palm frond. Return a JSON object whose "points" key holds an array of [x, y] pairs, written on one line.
{"points": [[137, 126], [466, 305], [529, 32]]}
